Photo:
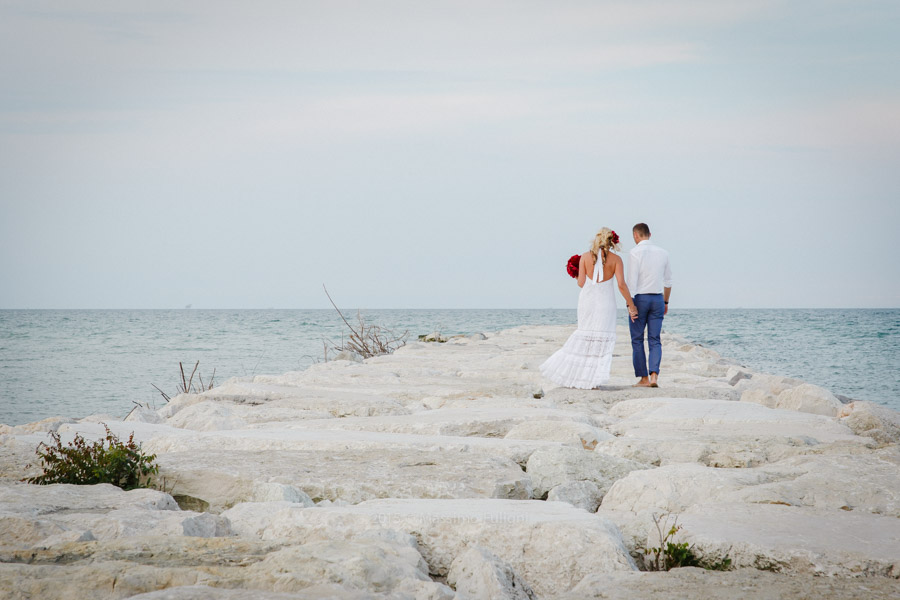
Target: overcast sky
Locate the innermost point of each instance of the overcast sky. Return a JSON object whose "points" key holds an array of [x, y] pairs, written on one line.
{"points": [[445, 154]]}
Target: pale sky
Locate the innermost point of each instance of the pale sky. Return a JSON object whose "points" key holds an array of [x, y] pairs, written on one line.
{"points": [[419, 154]]}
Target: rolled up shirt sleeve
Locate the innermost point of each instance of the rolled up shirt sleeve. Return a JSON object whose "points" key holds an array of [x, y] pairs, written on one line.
{"points": [[667, 275]]}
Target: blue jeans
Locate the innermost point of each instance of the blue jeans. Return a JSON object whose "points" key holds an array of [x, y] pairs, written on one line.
{"points": [[651, 308]]}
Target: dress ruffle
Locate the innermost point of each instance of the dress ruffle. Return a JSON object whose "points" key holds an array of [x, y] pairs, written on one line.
{"points": [[584, 360]]}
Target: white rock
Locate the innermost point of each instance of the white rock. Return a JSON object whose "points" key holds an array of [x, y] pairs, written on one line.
{"points": [[551, 467], [810, 399], [673, 488], [524, 534], [207, 416], [278, 492], [841, 482], [328, 591], [567, 432], [478, 574], [692, 583], [348, 355], [372, 563], [354, 475], [581, 494], [142, 414], [793, 539], [37, 516], [253, 519], [736, 374], [721, 433], [760, 396], [872, 420], [178, 403]]}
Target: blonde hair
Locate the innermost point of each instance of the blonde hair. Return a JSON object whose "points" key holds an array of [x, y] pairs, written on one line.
{"points": [[603, 243]]}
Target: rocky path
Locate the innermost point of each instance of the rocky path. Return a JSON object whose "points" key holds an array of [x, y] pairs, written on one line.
{"points": [[453, 471]]}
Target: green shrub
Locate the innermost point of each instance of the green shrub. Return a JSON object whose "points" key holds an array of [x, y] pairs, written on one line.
{"points": [[107, 460], [669, 555]]}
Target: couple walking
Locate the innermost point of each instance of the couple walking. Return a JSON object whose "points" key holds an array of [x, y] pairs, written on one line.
{"points": [[585, 359]]}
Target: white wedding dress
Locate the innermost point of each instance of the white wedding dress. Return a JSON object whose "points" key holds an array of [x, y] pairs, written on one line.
{"points": [[584, 360]]}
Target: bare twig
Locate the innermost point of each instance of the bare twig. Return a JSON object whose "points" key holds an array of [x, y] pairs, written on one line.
{"points": [[183, 381], [191, 380], [367, 340], [164, 395]]}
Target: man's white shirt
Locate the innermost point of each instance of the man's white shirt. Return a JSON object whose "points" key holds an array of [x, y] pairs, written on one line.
{"points": [[648, 269]]}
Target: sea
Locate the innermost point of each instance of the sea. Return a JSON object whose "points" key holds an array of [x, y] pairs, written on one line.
{"points": [[75, 363]]}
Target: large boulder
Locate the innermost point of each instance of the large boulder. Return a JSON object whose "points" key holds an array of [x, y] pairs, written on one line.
{"points": [[581, 494], [872, 420], [809, 398], [478, 574], [673, 488], [568, 432], [793, 540], [551, 467], [353, 475], [660, 431], [41, 516], [860, 483], [523, 534], [692, 583]]}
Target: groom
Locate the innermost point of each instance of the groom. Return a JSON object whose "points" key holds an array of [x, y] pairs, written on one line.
{"points": [[649, 279]]}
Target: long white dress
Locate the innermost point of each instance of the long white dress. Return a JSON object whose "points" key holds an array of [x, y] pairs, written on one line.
{"points": [[584, 360]]}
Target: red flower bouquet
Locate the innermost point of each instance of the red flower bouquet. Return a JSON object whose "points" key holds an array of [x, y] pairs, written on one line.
{"points": [[572, 265]]}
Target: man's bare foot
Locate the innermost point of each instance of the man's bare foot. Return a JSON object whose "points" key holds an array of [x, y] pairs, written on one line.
{"points": [[654, 377], [644, 382]]}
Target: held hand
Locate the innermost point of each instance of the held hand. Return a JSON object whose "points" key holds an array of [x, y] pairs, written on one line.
{"points": [[632, 312]]}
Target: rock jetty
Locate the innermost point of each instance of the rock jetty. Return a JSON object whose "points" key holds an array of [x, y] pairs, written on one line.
{"points": [[453, 471]]}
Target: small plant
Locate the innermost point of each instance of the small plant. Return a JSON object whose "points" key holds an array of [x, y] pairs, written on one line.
{"points": [[108, 460], [670, 555], [187, 385], [365, 340]]}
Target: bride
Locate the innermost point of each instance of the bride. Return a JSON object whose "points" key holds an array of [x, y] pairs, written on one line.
{"points": [[584, 360]]}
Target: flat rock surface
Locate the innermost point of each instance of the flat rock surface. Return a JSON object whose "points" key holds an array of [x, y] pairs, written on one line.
{"points": [[518, 532], [223, 480], [742, 584], [793, 539], [425, 465]]}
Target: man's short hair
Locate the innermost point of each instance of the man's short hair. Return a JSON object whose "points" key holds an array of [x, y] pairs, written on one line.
{"points": [[642, 230]]}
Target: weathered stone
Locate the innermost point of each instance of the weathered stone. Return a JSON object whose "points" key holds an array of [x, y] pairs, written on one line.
{"points": [[810, 399], [518, 532], [858, 483], [871, 420], [551, 467], [581, 494], [721, 433], [794, 540], [38, 516], [370, 562], [747, 584], [478, 574], [567, 432], [224, 480]]}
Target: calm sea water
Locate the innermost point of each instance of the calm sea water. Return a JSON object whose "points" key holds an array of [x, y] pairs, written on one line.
{"points": [[75, 363]]}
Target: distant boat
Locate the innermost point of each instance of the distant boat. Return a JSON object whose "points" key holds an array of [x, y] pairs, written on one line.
{"points": [[189, 305]]}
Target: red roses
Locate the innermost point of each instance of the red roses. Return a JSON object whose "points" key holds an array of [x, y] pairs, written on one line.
{"points": [[572, 265]]}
